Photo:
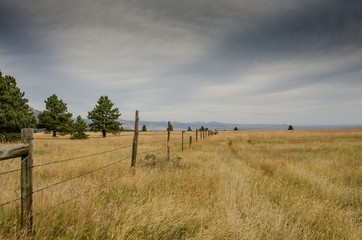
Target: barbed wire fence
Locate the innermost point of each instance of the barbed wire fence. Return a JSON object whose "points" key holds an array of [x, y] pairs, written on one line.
{"points": [[25, 151]]}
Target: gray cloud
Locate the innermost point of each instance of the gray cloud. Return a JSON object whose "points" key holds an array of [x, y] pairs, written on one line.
{"points": [[234, 61]]}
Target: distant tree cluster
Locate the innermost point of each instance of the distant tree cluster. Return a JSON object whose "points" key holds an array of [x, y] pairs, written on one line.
{"points": [[15, 114], [56, 118]]}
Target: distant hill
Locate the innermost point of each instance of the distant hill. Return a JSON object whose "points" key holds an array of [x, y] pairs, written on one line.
{"points": [[179, 126], [162, 126], [35, 111]]}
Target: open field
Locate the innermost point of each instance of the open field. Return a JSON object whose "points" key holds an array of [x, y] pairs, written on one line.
{"points": [[235, 185]]}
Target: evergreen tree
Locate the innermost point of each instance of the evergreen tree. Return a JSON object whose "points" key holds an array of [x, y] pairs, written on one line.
{"points": [[79, 128], [144, 129], [104, 117], [15, 114], [202, 128], [236, 129], [171, 128], [290, 127], [189, 129], [56, 117]]}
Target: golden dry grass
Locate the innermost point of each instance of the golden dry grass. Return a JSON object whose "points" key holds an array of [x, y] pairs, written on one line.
{"points": [[236, 185]]}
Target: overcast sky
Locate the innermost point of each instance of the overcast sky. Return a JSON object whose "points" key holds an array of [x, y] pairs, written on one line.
{"points": [[235, 61]]}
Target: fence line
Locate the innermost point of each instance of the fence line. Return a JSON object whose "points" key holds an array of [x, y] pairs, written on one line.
{"points": [[68, 138], [172, 141]]}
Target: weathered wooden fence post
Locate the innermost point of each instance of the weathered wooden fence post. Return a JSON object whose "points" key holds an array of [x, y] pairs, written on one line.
{"points": [[196, 134], [27, 137], [135, 144], [182, 147], [190, 140], [168, 140]]}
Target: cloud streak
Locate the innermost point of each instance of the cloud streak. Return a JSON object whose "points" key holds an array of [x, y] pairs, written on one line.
{"points": [[262, 61]]}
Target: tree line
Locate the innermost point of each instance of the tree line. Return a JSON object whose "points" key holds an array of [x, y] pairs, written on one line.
{"points": [[16, 114]]}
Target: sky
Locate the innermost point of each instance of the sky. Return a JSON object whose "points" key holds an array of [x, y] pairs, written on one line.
{"points": [[232, 61]]}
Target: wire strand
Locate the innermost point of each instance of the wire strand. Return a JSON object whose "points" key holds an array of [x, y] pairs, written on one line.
{"points": [[80, 157], [12, 201], [78, 176], [152, 151], [145, 143], [69, 159], [13, 170], [80, 194]]}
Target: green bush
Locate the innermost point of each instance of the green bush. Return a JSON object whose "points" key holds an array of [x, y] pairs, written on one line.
{"points": [[10, 137]]}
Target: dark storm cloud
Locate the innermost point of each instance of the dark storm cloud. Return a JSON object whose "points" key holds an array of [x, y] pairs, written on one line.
{"points": [[318, 28], [177, 57], [310, 30]]}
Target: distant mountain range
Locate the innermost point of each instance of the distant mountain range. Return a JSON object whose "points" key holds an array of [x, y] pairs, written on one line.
{"points": [[179, 126], [162, 126], [35, 112]]}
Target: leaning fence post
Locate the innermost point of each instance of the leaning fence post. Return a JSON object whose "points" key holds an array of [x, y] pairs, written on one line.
{"points": [[190, 140], [168, 141], [27, 136], [196, 134], [135, 144]]}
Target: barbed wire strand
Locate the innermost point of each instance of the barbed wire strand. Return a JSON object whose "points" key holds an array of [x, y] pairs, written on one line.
{"points": [[80, 194], [85, 156], [155, 134], [145, 143], [68, 138], [81, 175], [8, 164], [78, 176], [152, 151], [115, 136], [12, 201], [13, 170], [3, 204], [69, 159]]}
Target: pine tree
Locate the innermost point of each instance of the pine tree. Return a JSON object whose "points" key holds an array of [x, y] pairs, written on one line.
{"points": [[189, 129], [15, 114], [236, 129], [104, 117], [56, 117], [144, 129], [290, 127], [79, 128]]}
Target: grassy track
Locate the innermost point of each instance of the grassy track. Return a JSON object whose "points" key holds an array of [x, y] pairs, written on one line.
{"points": [[236, 185]]}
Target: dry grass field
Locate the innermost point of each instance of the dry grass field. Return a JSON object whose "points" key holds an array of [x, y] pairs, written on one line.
{"points": [[235, 185]]}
